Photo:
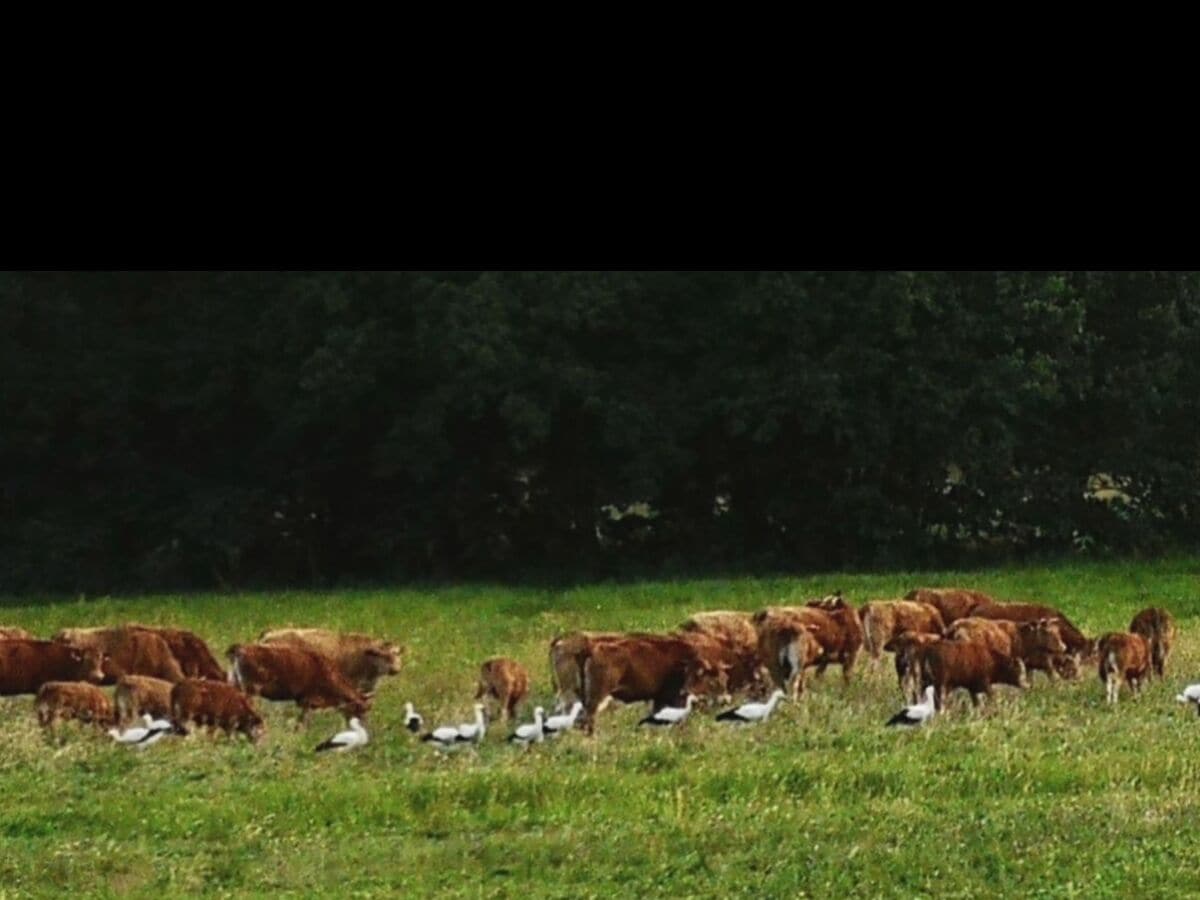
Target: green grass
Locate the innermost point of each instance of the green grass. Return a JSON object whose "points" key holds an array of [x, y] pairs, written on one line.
{"points": [[1047, 794]]}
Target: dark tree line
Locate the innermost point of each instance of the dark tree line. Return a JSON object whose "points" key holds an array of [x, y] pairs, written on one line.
{"points": [[168, 430]]}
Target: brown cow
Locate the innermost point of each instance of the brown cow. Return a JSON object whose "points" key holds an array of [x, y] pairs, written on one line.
{"points": [[658, 669], [883, 620], [907, 647], [139, 694], [194, 658], [283, 672], [1077, 644], [128, 651], [970, 665], [8, 632], [568, 653], [216, 705], [738, 638], [786, 648], [1125, 656], [72, 700], [846, 618], [361, 658], [952, 603], [505, 681], [836, 628], [25, 665], [1038, 644], [1158, 627]]}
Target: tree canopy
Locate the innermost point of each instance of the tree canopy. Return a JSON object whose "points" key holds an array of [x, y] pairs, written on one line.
{"points": [[191, 429]]}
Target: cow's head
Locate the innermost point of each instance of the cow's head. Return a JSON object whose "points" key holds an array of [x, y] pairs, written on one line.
{"points": [[89, 663], [253, 727], [357, 706], [1043, 634], [384, 659], [1068, 665], [708, 679]]}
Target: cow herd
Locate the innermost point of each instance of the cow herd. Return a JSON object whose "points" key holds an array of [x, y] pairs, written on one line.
{"points": [[941, 640], [170, 674]]}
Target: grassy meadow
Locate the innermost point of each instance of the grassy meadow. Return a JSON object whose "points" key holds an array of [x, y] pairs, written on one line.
{"points": [[1048, 793]]}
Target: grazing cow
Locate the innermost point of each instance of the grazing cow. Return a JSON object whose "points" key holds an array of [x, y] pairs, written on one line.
{"points": [[194, 658], [1076, 643], [907, 647], [505, 681], [25, 665], [1126, 656], [883, 620], [216, 705], [786, 648], [283, 672], [658, 669], [361, 658], [8, 632], [735, 633], [137, 695], [1038, 644], [128, 651], [1158, 627], [970, 665], [952, 603], [72, 700]]}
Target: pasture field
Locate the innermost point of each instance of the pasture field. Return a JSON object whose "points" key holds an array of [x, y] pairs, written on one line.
{"points": [[1047, 794]]}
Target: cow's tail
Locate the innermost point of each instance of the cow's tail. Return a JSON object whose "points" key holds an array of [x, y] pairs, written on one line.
{"points": [[235, 667], [1108, 665]]}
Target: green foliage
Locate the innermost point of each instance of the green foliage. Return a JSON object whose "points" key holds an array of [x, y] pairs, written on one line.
{"points": [[1049, 793], [167, 430]]}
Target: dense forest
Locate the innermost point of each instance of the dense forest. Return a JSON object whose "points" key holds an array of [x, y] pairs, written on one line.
{"points": [[234, 429]]}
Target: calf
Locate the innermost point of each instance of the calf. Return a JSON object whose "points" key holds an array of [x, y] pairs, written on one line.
{"points": [[907, 647], [505, 681], [661, 670], [1038, 644], [882, 621], [951, 603], [137, 695], [191, 653], [8, 632], [1126, 656], [25, 665], [361, 658], [1158, 627], [128, 651], [72, 700], [216, 705], [970, 665], [280, 672]]}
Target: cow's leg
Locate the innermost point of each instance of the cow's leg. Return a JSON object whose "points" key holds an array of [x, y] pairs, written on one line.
{"points": [[510, 708], [848, 665]]}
